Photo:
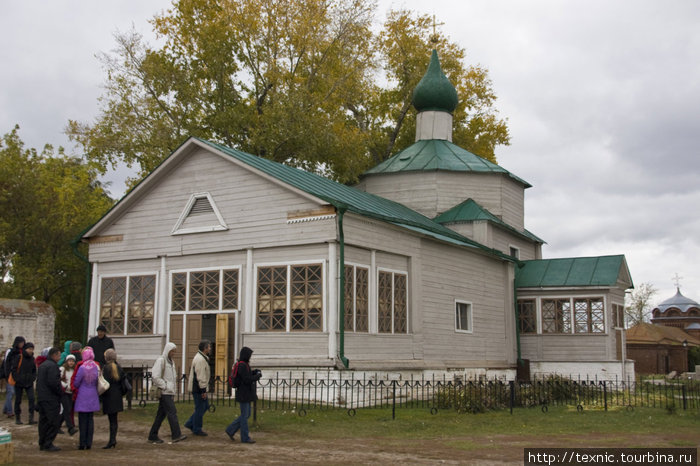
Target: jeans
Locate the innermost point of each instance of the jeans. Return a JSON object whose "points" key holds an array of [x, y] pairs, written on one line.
{"points": [[194, 423], [8, 408], [18, 400], [49, 419], [241, 422], [86, 423], [166, 408]]}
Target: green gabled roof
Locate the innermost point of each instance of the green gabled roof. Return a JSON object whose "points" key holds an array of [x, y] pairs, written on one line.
{"points": [[572, 271], [470, 211], [439, 154], [351, 199]]}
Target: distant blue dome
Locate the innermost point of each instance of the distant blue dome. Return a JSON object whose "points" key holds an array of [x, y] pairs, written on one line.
{"points": [[679, 302]]}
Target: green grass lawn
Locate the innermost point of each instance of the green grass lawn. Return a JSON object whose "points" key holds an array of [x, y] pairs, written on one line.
{"points": [[419, 423]]}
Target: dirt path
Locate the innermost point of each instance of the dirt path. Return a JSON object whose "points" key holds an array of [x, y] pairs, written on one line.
{"points": [[132, 448]]}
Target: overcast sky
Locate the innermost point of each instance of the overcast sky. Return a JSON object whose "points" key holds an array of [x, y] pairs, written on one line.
{"points": [[602, 100]]}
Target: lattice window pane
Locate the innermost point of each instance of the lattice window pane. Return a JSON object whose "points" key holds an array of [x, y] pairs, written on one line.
{"points": [[361, 299], [112, 304], [230, 286], [306, 299], [527, 315], [272, 298], [589, 315], [204, 291], [564, 310], [179, 296], [142, 295], [597, 315], [400, 304], [384, 290], [581, 316], [556, 316], [349, 303]]}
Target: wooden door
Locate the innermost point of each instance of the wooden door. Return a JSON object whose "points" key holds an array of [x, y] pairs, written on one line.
{"points": [[176, 337], [194, 336], [222, 344]]}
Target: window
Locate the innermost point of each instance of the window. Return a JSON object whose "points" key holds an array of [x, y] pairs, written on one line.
{"points": [[527, 315], [463, 316], [556, 316], [514, 252], [128, 303], [356, 299], [392, 295], [618, 316], [207, 290], [303, 290], [588, 315]]}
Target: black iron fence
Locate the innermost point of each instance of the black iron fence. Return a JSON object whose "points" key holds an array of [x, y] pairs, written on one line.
{"points": [[345, 390]]}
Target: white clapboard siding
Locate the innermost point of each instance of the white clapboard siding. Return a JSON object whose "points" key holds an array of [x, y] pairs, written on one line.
{"points": [[287, 345], [377, 347], [451, 274], [139, 349], [380, 236], [565, 347], [254, 209], [416, 190], [504, 239]]}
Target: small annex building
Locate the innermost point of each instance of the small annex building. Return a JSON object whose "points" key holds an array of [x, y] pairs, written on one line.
{"points": [[424, 266], [662, 346], [34, 320]]}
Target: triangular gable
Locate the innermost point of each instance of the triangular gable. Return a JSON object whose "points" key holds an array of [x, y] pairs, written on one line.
{"points": [[199, 215]]}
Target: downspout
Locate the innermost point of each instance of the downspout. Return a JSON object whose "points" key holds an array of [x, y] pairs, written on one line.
{"points": [[341, 290], [88, 284]]}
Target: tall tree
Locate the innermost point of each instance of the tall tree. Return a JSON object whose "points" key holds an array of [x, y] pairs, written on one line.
{"points": [[46, 200], [296, 81], [638, 305]]}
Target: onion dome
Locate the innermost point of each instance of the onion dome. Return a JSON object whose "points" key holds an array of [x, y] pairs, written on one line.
{"points": [[679, 302], [435, 91]]}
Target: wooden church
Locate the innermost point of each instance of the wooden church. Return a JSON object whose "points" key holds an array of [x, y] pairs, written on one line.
{"points": [[424, 266]]}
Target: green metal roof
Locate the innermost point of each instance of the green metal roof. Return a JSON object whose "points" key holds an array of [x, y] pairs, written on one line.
{"points": [[470, 211], [351, 199], [439, 154], [573, 271], [435, 91]]}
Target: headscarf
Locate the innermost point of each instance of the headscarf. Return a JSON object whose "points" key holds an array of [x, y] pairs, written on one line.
{"points": [[89, 366], [66, 352]]}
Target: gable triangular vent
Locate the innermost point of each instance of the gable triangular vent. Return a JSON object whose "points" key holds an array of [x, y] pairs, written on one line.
{"points": [[200, 215]]}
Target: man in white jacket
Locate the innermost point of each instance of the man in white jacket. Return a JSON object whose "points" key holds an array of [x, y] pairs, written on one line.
{"points": [[199, 382], [165, 377]]}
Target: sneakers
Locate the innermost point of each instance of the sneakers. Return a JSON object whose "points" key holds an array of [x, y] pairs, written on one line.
{"points": [[179, 439], [155, 440]]}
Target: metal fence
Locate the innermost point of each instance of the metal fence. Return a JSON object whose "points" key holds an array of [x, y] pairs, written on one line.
{"points": [[344, 390]]}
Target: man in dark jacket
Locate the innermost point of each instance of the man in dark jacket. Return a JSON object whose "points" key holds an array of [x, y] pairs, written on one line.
{"points": [[100, 344], [246, 381], [24, 372], [48, 390]]}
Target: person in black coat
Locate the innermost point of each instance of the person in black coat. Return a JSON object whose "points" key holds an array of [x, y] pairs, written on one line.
{"points": [[49, 391], [23, 371], [17, 346], [100, 344], [246, 380], [112, 402]]}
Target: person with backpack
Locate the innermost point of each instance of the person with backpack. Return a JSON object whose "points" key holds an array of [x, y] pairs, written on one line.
{"points": [[165, 380], [244, 380], [23, 372], [8, 408]]}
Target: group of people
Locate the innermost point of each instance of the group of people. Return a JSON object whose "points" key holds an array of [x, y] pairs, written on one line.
{"points": [[165, 381], [66, 383]]}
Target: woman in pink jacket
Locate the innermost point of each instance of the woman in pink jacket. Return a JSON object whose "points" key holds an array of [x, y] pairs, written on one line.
{"points": [[87, 401]]}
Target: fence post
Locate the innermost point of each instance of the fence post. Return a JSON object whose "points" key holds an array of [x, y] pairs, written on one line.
{"points": [[605, 395], [393, 399], [685, 400], [512, 395]]}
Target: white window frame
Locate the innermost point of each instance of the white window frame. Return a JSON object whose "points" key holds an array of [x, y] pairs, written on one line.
{"points": [[127, 276], [354, 295], [571, 298], [470, 316], [178, 230], [220, 310], [288, 317], [408, 311]]}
